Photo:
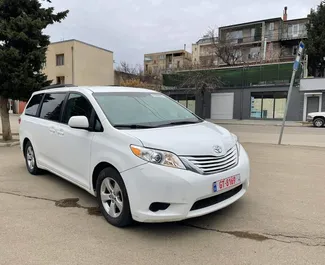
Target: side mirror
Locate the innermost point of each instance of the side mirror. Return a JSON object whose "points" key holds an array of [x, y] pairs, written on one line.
{"points": [[79, 122]]}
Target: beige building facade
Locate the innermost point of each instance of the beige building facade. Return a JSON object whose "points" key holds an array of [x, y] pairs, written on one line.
{"points": [[160, 62], [79, 63]]}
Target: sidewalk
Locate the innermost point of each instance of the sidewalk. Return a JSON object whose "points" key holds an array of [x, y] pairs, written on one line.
{"points": [[13, 123], [260, 122]]}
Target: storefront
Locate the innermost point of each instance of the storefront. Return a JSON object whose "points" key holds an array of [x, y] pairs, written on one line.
{"points": [[268, 105]]}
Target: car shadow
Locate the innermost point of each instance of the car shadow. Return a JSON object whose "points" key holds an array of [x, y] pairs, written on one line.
{"points": [[79, 198]]}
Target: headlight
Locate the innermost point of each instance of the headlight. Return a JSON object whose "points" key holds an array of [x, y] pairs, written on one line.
{"points": [[157, 157]]}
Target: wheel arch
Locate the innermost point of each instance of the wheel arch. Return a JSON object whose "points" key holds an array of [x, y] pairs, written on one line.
{"points": [[319, 117], [98, 168], [26, 140]]}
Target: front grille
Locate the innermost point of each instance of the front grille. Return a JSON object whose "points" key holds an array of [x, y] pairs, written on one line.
{"points": [[215, 199], [215, 164]]}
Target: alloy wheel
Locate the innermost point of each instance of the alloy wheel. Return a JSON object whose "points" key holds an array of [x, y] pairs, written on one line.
{"points": [[111, 197], [30, 156]]}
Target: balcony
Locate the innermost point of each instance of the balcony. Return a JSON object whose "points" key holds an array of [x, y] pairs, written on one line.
{"points": [[294, 35]]}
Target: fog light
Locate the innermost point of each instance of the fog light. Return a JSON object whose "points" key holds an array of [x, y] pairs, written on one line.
{"points": [[158, 206]]}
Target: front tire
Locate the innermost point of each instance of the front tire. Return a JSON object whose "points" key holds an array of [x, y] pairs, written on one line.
{"points": [[30, 159], [319, 122], [112, 198]]}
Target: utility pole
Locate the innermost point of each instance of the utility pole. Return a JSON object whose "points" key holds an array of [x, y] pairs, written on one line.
{"points": [[295, 68]]}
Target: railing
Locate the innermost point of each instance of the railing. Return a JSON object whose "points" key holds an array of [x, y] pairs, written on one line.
{"points": [[243, 76], [294, 35]]}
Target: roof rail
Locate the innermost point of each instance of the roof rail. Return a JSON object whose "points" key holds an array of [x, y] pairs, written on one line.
{"points": [[57, 86]]}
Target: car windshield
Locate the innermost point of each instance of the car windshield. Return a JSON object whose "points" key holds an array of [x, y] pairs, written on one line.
{"points": [[141, 110]]}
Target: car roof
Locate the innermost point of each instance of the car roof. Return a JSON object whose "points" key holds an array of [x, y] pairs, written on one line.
{"points": [[95, 89]]}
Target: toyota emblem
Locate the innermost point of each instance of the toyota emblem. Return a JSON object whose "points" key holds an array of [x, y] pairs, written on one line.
{"points": [[217, 149]]}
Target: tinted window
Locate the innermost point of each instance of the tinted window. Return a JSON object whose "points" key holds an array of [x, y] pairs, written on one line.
{"points": [[52, 105], [33, 105], [77, 105]]}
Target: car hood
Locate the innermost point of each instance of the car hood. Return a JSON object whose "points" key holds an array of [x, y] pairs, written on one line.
{"points": [[313, 114], [192, 139]]}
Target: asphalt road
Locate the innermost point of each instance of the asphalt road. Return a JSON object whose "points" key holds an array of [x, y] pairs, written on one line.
{"points": [[281, 220]]}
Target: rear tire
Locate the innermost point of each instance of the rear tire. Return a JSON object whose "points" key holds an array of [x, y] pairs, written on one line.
{"points": [[30, 159], [319, 122], [112, 198]]}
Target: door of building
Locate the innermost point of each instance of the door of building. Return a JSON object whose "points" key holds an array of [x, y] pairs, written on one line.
{"points": [[312, 104], [222, 106]]}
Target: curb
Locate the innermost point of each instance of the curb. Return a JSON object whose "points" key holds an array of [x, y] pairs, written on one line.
{"points": [[255, 124], [9, 144]]}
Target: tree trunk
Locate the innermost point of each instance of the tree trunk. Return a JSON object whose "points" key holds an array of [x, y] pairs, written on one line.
{"points": [[4, 112]]}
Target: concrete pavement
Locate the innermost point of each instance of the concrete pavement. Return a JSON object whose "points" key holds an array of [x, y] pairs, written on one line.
{"points": [[280, 220]]}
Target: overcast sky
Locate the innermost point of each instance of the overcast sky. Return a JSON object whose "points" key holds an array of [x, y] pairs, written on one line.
{"points": [[131, 28]]}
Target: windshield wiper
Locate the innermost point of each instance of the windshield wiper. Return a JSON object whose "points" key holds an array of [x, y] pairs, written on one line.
{"points": [[180, 123], [133, 126]]}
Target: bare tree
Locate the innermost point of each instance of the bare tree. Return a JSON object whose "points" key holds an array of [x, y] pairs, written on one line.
{"points": [[125, 67], [225, 47]]}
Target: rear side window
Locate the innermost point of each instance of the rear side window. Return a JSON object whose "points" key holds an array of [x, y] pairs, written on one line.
{"points": [[33, 105], [77, 105], [52, 106]]}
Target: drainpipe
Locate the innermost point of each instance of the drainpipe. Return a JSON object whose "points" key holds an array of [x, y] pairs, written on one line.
{"points": [[72, 52]]}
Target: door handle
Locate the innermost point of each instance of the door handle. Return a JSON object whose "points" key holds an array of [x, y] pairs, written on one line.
{"points": [[60, 132], [52, 129]]}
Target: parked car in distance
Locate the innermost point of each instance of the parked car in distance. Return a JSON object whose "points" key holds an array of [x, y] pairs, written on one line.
{"points": [[316, 118], [143, 155]]}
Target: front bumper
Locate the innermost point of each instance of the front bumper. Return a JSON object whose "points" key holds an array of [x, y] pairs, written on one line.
{"points": [[309, 119], [181, 189]]}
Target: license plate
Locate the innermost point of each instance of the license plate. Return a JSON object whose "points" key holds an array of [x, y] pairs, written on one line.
{"points": [[226, 183]]}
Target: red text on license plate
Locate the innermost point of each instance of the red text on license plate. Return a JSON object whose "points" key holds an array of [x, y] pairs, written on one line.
{"points": [[226, 183]]}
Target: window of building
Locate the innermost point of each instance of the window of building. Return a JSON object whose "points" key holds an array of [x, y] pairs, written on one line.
{"points": [[52, 105], [253, 30], [268, 105], [178, 64], [295, 30], [295, 50], [77, 105], [33, 105], [60, 80], [59, 59], [161, 57], [147, 68], [271, 26]]}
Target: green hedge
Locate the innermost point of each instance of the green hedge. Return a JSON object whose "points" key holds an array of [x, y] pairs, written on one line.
{"points": [[240, 77]]}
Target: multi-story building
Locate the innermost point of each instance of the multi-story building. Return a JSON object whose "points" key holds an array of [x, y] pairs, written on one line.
{"points": [[203, 53], [263, 41], [79, 63], [75, 62], [156, 63]]}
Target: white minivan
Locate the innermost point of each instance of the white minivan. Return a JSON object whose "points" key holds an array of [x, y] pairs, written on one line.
{"points": [[143, 155]]}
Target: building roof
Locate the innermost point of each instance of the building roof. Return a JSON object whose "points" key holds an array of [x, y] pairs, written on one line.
{"points": [[88, 44], [251, 22], [167, 52]]}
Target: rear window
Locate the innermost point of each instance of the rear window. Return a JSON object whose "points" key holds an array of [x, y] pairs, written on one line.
{"points": [[52, 106], [33, 105]]}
